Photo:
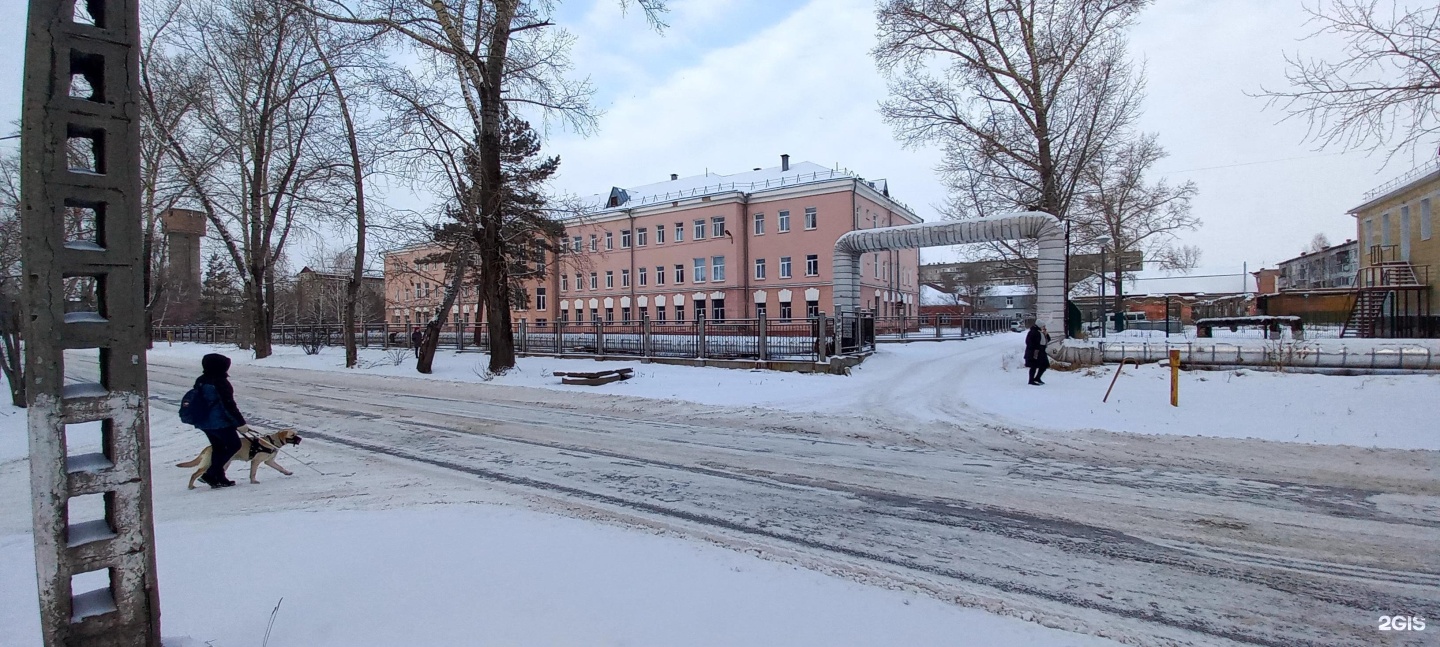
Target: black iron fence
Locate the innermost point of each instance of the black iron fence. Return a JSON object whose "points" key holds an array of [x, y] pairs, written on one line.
{"points": [[889, 329], [813, 339]]}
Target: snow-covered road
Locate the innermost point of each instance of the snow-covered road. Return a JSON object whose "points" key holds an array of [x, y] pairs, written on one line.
{"points": [[1145, 539]]}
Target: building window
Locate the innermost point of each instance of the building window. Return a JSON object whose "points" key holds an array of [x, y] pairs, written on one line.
{"points": [[785, 314], [809, 217], [595, 315], [759, 224], [659, 275], [540, 299], [679, 273], [679, 312], [660, 314], [1009, 302], [624, 278], [717, 310], [812, 265], [564, 316], [717, 269], [1370, 233], [759, 268], [609, 279], [812, 309], [759, 311], [564, 282], [699, 230], [625, 314], [717, 227], [579, 281], [644, 277], [575, 244], [1427, 227], [699, 276], [609, 241], [784, 221], [624, 239], [679, 232], [659, 234], [594, 281], [784, 267], [642, 236], [609, 315], [594, 243], [877, 266]]}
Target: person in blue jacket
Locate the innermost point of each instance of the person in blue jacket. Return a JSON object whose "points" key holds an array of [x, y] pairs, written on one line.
{"points": [[224, 422]]}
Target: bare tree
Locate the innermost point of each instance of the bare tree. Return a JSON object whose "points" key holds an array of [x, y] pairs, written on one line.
{"points": [[1317, 244], [246, 147], [492, 56], [11, 360], [1383, 92], [1137, 215], [1023, 96], [1179, 258]]}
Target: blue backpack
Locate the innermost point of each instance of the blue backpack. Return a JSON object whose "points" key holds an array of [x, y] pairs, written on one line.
{"points": [[201, 407]]}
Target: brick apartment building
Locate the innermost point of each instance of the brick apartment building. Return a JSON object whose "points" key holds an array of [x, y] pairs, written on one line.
{"points": [[728, 246]]}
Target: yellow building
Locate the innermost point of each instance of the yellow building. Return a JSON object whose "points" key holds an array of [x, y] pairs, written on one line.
{"points": [[1399, 257]]}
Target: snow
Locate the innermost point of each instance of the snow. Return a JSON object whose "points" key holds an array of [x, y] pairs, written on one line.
{"points": [[380, 552], [88, 531], [92, 603], [984, 379]]}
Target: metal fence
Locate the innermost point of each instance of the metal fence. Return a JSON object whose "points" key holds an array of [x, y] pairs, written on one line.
{"points": [[813, 339], [926, 327], [1283, 354]]}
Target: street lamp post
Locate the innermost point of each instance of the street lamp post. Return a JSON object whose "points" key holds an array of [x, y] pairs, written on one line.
{"points": [[1103, 240]]}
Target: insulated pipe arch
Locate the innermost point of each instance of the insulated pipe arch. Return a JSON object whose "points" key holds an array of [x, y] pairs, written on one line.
{"points": [[1045, 228]]}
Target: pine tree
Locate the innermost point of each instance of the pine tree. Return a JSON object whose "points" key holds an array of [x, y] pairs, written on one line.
{"points": [[219, 293]]}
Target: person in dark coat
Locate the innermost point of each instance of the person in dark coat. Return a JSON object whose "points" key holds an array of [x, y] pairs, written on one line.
{"points": [[1035, 358], [416, 339], [225, 421]]}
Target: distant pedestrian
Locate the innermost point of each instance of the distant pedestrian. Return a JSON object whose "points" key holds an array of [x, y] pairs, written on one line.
{"points": [[223, 421], [416, 339], [1035, 358]]}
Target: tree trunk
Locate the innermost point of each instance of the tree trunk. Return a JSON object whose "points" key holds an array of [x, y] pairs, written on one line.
{"points": [[12, 363], [1119, 294], [259, 315], [425, 363], [494, 277]]}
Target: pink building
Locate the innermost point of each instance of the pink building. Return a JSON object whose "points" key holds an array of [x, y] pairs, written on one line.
{"points": [[730, 246]]}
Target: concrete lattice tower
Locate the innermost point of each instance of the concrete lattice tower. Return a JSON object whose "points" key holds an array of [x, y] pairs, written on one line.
{"points": [[184, 229]]}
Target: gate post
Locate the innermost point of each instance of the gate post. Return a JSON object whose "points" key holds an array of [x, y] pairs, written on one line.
{"points": [[645, 334], [700, 333], [764, 339], [103, 188]]}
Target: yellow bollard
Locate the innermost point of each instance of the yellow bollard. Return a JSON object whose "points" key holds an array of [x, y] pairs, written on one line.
{"points": [[1174, 378]]}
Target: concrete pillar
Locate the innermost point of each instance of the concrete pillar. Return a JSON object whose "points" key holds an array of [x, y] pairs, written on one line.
{"points": [[119, 546], [763, 342], [700, 333]]}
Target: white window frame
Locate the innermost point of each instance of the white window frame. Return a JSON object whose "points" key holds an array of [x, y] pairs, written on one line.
{"points": [[594, 281], [564, 282], [609, 279], [717, 269], [644, 276], [811, 218], [759, 269], [759, 224], [540, 301], [698, 275], [625, 239], [812, 262], [783, 221], [717, 227], [594, 243], [642, 236], [659, 275], [609, 241], [785, 267], [699, 233], [679, 232], [624, 278], [659, 234], [679, 273]]}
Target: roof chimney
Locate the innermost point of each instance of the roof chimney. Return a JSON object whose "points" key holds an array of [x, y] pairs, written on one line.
{"points": [[674, 176], [784, 162]]}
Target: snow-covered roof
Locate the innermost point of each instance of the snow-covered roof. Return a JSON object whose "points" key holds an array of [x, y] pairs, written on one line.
{"points": [[713, 183], [1009, 290], [931, 297]]}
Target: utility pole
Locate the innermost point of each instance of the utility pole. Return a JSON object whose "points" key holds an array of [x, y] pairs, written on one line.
{"points": [[80, 157]]}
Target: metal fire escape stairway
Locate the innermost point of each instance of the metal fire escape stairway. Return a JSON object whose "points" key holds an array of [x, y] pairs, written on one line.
{"points": [[1370, 295]]}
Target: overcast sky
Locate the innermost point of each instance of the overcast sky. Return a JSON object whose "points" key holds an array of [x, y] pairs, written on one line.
{"points": [[732, 84]]}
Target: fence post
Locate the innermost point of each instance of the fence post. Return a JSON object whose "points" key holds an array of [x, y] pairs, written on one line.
{"points": [[524, 336], [700, 333], [600, 337], [559, 336], [763, 339], [645, 334], [822, 330]]}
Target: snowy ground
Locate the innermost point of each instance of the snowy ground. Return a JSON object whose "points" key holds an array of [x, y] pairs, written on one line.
{"points": [[933, 472], [376, 553], [984, 378]]}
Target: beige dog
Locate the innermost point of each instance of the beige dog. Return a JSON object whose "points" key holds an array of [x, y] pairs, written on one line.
{"points": [[256, 452]]}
